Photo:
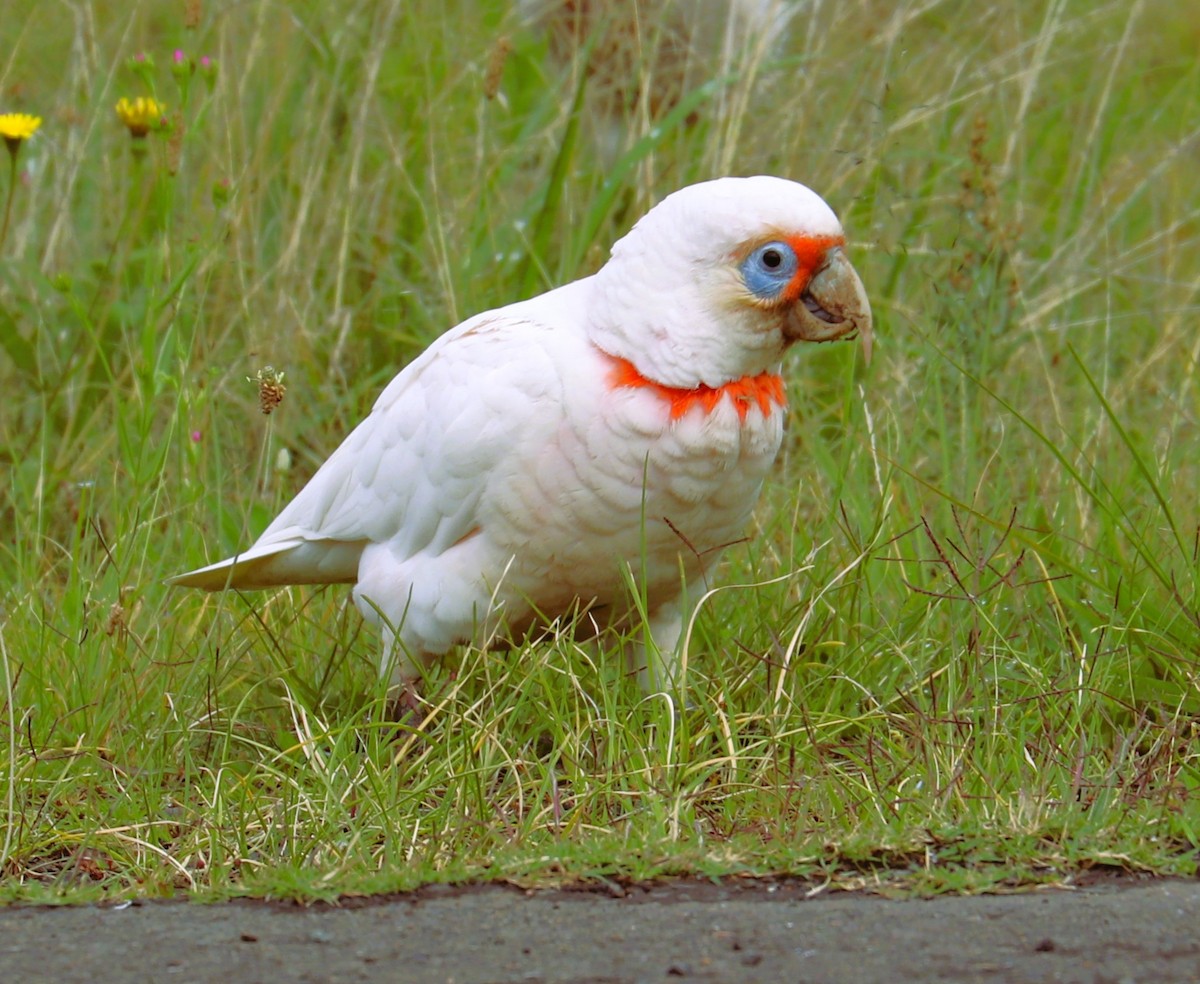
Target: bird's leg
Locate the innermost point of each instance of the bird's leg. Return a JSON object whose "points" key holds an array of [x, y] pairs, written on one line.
{"points": [[404, 678], [657, 659], [404, 703]]}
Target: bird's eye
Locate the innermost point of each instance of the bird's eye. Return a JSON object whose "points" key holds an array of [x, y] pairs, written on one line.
{"points": [[769, 269]]}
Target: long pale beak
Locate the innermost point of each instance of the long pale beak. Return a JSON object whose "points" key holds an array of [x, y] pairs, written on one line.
{"points": [[833, 305]]}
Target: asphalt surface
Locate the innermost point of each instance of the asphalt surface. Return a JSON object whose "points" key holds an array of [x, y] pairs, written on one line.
{"points": [[1117, 933]]}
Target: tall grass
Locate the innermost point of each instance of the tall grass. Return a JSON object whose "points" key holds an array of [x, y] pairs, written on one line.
{"points": [[960, 647]]}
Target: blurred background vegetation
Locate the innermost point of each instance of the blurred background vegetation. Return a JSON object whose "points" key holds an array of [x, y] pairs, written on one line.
{"points": [[971, 646]]}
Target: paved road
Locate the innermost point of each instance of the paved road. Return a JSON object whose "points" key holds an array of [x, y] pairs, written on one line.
{"points": [[1113, 934]]}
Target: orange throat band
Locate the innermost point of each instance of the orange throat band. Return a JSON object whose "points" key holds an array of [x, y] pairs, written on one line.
{"points": [[765, 390]]}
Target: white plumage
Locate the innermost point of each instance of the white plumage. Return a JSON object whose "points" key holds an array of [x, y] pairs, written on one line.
{"points": [[537, 456]]}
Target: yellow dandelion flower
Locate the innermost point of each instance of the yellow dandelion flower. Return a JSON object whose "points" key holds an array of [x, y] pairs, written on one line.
{"points": [[16, 128], [141, 115]]}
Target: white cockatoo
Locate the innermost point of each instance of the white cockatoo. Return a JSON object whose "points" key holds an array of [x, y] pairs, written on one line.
{"points": [[555, 456]]}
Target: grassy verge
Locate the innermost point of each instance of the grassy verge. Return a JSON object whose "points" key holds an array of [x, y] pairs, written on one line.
{"points": [[960, 649]]}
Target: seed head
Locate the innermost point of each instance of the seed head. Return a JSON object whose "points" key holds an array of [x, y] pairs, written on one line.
{"points": [[495, 67], [270, 388]]}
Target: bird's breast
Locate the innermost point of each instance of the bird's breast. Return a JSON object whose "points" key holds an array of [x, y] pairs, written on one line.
{"points": [[703, 451], [639, 474]]}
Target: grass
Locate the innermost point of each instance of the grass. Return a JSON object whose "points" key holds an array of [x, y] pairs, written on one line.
{"points": [[959, 650]]}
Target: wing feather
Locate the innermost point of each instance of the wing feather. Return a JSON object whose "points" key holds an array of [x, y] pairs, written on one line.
{"points": [[413, 472]]}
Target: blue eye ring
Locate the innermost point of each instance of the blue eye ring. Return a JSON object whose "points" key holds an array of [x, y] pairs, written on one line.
{"points": [[769, 269]]}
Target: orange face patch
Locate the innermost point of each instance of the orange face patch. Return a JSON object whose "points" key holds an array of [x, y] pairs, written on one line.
{"points": [[810, 252], [765, 390]]}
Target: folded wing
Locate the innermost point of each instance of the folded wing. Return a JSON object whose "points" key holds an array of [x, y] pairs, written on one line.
{"points": [[413, 472]]}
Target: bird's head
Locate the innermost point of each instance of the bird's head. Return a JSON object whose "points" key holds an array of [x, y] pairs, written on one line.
{"points": [[718, 279]]}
